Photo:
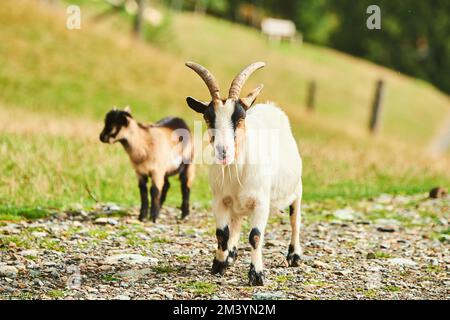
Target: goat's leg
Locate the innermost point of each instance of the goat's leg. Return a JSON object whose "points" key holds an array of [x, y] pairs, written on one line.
{"points": [[256, 238], [144, 196], [165, 188], [295, 250], [185, 190], [220, 262], [235, 232], [155, 192]]}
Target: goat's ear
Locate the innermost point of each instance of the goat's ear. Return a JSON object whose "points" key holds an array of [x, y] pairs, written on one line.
{"points": [[250, 98], [196, 105], [127, 109]]}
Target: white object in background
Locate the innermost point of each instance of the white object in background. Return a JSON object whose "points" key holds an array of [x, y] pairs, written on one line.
{"points": [[153, 16], [131, 7], [278, 29]]}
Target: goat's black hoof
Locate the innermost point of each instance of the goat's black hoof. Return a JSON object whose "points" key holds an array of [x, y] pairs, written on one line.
{"points": [[184, 215], [219, 267], [232, 256], [142, 216], [255, 278], [154, 216], [143, 213], [293, 260]]}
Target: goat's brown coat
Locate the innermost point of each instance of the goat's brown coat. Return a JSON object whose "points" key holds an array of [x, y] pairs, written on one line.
{"points": [[157, 151]]}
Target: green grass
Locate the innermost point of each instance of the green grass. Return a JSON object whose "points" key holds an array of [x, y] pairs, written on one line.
{"points": [[56, 293], [382, 255], [392, 288], [199, 287], [283, 278], [164, 269], [100, 234], [57, 176], [50, 244], [11, 212], [19, 241], [56, 85], [183, 258], [160, 240], [368, 293], [443, 236], [110, 278]]}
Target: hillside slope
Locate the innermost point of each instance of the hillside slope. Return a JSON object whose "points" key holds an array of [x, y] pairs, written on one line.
{"points": [[346, 84]]}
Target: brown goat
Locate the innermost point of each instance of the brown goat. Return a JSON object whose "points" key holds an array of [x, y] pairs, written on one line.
{"points": [[157, 151]]}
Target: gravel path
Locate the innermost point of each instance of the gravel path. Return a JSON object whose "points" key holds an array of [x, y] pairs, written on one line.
{"points": [[385, 248]]}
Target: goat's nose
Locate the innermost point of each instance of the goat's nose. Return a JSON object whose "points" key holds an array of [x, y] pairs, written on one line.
{"points": [[221, 152], [102, 137]]}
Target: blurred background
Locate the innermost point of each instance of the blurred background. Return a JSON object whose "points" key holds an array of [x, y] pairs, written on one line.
{"points": [[369, 108]]}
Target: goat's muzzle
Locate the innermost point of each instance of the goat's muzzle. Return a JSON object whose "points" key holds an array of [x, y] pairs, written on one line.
{"points": [[221, 152], [104, 137]]}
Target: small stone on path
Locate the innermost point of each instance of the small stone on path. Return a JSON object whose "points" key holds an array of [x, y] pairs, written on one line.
{"points": [[344, 214], [402, 262], [130, 258], [8, 271]]}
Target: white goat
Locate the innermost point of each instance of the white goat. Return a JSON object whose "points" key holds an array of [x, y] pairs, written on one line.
{"points": [[263, 176]]}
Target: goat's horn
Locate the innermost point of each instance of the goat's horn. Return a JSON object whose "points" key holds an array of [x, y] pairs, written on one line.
{"points": [[207, 77], [241, 78]]}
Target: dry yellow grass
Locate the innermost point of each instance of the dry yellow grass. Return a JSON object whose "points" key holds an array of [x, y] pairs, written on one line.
{"points": [[17, 121]]}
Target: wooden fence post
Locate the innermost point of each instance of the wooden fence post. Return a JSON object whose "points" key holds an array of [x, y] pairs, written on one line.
{"points": [[138, 20], [311, 96], [376, 107]]}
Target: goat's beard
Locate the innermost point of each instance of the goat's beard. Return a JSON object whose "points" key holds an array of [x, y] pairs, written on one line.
{"points": [[228, 167], [226, 164]]}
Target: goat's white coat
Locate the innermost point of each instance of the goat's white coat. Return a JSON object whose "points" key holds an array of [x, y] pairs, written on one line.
{"points": [[269, 182]]}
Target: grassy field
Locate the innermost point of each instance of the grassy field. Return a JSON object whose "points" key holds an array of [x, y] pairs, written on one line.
{"points": [[56, 85]]}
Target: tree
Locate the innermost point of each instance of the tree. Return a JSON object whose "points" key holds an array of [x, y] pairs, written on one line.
{"points": [[138, 19], [414, 36]]}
